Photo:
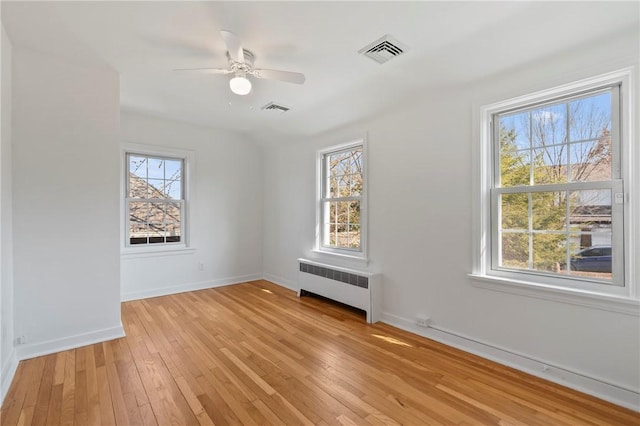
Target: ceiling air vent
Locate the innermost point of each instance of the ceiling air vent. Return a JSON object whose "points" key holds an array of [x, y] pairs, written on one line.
{"points": [[272, 106], [383, 49]]}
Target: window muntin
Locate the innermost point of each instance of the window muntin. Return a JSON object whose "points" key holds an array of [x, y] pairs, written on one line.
{"points": [[556, 170], [155, 200], [341, 199]]}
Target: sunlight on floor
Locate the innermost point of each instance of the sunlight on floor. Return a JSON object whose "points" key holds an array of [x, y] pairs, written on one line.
{"points": [[391, 340], [267, 291]]}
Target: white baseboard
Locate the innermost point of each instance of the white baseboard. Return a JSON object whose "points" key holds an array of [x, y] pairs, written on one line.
{"points": [[52, 346], [7, 372], [202, 285], [282, 282], [599, 388]]}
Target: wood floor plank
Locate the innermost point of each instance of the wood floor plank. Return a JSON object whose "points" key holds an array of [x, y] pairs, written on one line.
{"points": [[255, 353], [67, 411]]}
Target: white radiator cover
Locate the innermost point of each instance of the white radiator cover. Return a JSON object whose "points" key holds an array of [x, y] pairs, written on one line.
{"points": [[359, 289]]}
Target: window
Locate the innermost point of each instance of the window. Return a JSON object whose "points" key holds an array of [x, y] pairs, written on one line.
{"points": [[341, 201], [552, 201], [155, 200]]}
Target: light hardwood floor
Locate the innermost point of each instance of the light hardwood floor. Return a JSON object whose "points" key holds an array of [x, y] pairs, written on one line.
{"points": [[256, 354]]}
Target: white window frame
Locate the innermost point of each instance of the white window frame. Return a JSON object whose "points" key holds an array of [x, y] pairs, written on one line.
{"points": [[484, 274], [345, 253], [186, 203]]}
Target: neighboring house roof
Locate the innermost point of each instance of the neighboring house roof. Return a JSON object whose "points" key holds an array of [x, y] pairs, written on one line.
{"points": [[154, 214]]}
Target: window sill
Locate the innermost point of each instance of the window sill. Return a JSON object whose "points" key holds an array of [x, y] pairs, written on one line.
{"points": [[361, 260], [619, 304], [137, 252]]}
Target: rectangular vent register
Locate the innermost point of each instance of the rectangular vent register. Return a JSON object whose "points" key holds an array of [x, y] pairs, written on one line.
{"points": [[359, 289]]}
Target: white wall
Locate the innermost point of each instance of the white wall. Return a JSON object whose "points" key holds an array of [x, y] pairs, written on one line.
{"points": [[420, 202], [225, 211], [65, 203], [8, 361]]}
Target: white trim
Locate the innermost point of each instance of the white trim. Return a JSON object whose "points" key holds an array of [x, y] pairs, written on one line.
{"points": [[182, 288], [361, 254], [596, 294], [70, 342], [7, 373], [606, 302], [562, 375], [331, 257], [157, 252], [282, 282], [189, 171]]}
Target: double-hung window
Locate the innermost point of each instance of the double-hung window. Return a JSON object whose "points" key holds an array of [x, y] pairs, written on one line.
{"points": [[155, 200], [342, 200], [553, 197]]}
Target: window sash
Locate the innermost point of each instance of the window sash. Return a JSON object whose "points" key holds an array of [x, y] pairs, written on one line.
{"points": [[164, 222]]}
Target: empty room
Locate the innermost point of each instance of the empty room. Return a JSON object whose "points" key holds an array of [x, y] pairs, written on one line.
{"points": [[320, 213]]}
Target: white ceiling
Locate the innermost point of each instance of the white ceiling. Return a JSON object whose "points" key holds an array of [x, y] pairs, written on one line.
{"points": [[449, 43]]}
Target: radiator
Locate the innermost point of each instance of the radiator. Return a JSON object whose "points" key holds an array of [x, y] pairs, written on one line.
{"points": [[354, 288]]}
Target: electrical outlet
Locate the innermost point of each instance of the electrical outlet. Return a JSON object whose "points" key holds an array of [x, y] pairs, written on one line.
{"points": [[422, 321], [21, 340], [201, 266]]}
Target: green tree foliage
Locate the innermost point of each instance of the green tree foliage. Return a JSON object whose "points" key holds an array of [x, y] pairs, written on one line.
{"points": [[548, 210]]}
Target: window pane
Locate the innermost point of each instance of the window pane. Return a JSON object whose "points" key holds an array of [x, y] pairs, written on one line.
{"points": [[172, 212], [156, 212], [549, 125], [354, 236], [550, 165], [342, 224], [590, 117], [594, 256], [591, 161], [330, 234], [549, 251], [514, 167], [138, 166], [156, 168], [591, 209], [156, 188], [138, 211], [344, 186], [344, 165], [549, 210], [356, 161], [515, 211], [356, 185], [173, 189], [515, 128], [156, 232], [173, 232], [345, 174], [515, 250], [354, 212], [137, 187], [173, 169]]}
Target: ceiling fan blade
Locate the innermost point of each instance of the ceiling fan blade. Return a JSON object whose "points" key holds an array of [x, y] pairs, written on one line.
{"points": [[234, 46], [206, 70], [288, 76]]}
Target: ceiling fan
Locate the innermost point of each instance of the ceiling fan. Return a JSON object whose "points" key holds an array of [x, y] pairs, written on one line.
{"points": [[241, 66]]}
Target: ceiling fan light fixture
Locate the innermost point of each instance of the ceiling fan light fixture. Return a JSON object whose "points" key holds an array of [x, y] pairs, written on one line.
{"points": [[240, 85]]}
